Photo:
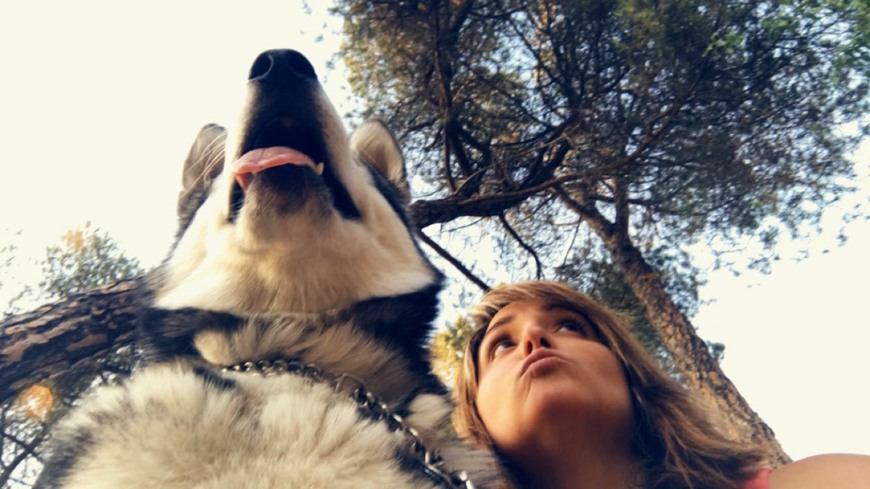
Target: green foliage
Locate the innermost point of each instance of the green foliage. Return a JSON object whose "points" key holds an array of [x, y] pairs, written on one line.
{"points": [[8, 257], [448, 349], [86, 258], [715, 114], [717, 350]]}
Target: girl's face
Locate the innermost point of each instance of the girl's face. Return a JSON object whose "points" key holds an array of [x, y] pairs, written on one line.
{"points": [[544, 374]]}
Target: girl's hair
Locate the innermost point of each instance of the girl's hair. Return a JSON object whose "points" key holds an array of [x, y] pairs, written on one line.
{"points": [[678, 443]]}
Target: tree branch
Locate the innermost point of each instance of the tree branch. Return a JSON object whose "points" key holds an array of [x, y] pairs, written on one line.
{"points": [[453, 261], [427, 212], [27, 449], [48, 341], [539, 272]]}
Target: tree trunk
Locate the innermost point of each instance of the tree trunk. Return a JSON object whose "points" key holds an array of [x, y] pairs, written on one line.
{"points": [[44, 343], [698, 369]]}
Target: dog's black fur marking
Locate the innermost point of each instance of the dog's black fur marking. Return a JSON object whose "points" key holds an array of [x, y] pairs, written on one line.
{"points": [[210, 377], [165, 334], [389, 320]]}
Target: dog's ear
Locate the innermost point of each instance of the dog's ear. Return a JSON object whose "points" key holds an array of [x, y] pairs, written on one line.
{"points": [[204, 162], [377, 147]]}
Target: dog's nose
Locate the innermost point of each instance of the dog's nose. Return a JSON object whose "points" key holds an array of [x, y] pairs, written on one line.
{"points": [[281, 64]]}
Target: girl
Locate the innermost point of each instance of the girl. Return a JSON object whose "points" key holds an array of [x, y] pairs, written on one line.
{"points": [[556, 384]]}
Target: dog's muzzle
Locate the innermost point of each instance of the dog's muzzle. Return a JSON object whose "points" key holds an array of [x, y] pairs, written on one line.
{"points": [[282, 145]]}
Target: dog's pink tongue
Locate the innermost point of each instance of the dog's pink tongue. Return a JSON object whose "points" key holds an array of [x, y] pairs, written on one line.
{"points": [[257, 160]]}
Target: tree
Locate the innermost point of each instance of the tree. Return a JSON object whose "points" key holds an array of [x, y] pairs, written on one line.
{"points": [[86, 258], [448, 348], [641, 127], [78, 345]]}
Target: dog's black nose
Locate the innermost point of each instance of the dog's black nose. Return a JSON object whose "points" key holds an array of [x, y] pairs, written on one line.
{"points": [[281, 64]]}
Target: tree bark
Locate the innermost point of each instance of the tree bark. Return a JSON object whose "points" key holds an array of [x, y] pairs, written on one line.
{"points": [[44, 343]]}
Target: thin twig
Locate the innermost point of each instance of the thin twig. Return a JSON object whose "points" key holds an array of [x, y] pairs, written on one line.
{"points": [[539, 273], [453, 261]]}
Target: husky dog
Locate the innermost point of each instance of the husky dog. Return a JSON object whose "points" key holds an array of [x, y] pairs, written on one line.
{"points": [[284, 340]]}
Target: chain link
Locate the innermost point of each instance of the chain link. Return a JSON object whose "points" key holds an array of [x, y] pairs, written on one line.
{"points": [[369, 405]]}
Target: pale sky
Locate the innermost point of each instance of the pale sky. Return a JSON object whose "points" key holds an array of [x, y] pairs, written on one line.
{"points": [[100, 100]]}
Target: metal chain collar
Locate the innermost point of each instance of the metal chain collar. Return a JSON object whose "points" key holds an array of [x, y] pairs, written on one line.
{"points": [[370, 406]]}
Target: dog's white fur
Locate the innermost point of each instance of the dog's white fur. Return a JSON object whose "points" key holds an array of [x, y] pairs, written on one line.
{"points": [[215, 260]]}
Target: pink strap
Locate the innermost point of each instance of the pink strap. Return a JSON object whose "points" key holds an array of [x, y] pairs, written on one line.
{"points": [[757, 482]]}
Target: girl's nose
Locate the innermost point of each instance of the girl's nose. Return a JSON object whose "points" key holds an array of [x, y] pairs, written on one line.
{"points": [[534, 338]]}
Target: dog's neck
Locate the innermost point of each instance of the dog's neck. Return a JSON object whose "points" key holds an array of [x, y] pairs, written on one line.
{"points": [[337, 342]]}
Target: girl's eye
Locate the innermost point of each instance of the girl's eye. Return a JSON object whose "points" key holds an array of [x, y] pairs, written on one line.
{"points": [[498, 346], [575, 327]]}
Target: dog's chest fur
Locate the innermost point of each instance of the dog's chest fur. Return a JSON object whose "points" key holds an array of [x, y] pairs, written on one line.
{"points": [[170, 427], [181, 422]]}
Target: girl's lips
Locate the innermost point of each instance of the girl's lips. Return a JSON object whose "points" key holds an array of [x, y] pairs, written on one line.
{"points": [[536, 356]]}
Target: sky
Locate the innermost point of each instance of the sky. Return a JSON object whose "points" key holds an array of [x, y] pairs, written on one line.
{"points": [[100, 100]]}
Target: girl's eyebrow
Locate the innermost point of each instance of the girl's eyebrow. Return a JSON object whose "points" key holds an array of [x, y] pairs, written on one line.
{"points": [[498, 324], [573, 312]]}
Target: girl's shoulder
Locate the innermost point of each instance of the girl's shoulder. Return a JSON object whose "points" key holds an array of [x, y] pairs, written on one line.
{"points": [[841, 471]]}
